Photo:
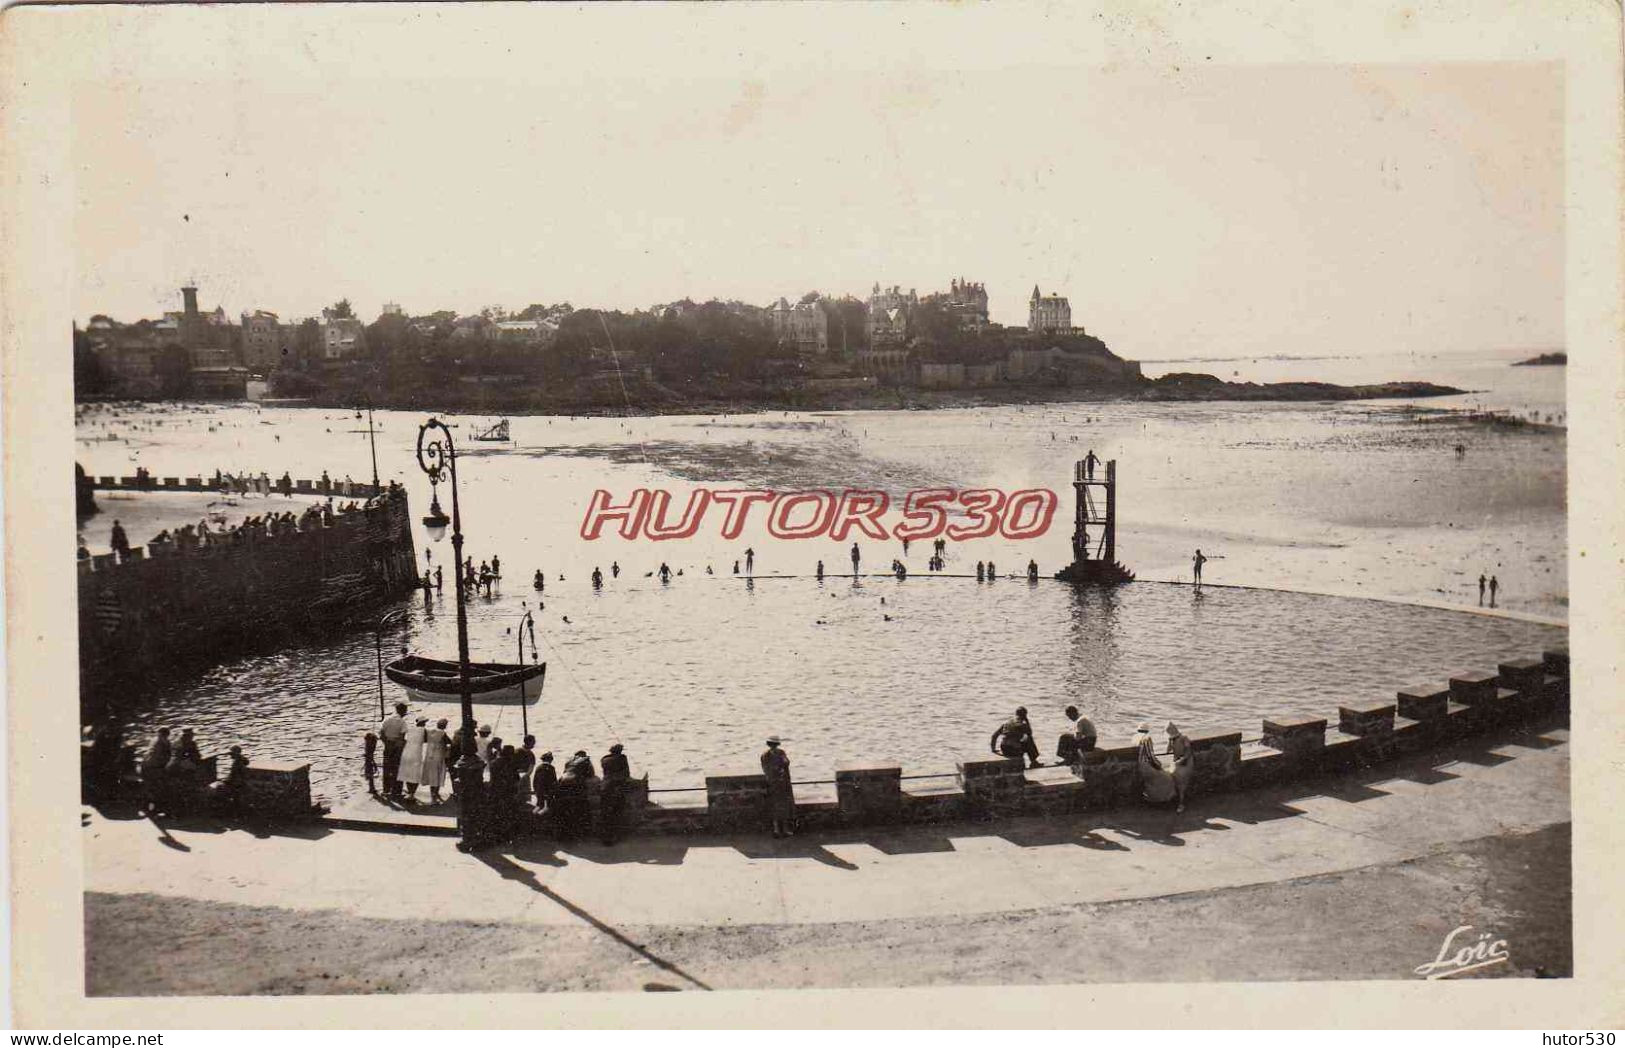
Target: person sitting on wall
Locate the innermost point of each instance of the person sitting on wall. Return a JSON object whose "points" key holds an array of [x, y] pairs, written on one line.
{"points": [[227, 794], [120, 541], [185, 767], [612, 798], [1076, 741], [1155, 781], [1014, 738]]}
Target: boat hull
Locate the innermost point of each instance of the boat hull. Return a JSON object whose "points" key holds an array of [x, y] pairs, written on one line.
{"points": [[506, 696], [500, 684]]}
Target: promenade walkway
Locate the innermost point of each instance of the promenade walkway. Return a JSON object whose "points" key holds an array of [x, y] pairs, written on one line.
{"points": [[879, 890]]}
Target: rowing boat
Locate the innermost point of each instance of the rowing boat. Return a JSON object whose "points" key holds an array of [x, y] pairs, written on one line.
{"points": [[494, 683]]}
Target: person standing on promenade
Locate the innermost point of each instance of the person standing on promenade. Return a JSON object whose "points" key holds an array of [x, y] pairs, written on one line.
{"points": [[1196, 565], [981, 572], [1495, 586], [543, 782], [436, 747], [121, 541], [750, 561], [1032, 571], [1481, 589], [1014, 738], [820, 571], [411, 773], [612, 798], [855, 558], [393, 734], [154, 766], [781, 795], [524, 762], [504, 813], [1184, 763], [369, 761], [991, 573]]}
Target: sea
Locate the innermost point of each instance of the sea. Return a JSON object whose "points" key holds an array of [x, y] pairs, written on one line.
{"points": [[1344, 540]]}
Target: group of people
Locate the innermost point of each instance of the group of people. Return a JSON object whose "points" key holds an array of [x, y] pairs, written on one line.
{"points": [[203, 534], [1494, 588], [170, 778], [1015, 739], [519, 785]]}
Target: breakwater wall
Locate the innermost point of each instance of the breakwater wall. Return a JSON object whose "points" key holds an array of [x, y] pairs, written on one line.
{"points": [[217, 483], [1286, 748], [184, 603]]}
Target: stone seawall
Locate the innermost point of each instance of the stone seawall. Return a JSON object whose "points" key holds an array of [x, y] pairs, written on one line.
{"points": [[169, 605], [1421, 717]]}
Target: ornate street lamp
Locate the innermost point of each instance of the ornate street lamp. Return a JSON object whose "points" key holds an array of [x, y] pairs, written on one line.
{"points": [[438, 458]]}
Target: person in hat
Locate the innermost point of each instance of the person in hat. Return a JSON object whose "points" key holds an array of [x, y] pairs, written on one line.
{"points": [[781, 796], [1014, 738], [392, 733], [571, 805], [482, 744], [411, 770], [612, 798], [543, 783], [524, 765], [1155, 781], [436, 749], [227, 794], [1179, 745]]}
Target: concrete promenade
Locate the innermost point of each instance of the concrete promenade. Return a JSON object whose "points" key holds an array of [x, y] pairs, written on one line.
{"points": [[1418, 846]]}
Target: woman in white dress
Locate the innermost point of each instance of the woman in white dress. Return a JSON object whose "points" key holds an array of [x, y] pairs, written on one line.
{"points": [[411, 772], [435, 745]]}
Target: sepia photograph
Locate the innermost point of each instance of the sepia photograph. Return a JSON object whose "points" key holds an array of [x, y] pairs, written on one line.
{"points": [[667, 499]]}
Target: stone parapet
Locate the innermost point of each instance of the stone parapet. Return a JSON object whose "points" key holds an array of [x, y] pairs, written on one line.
{"points": [[868, 793], [1366, 719], [1295, 736], [1424, 702], [1473, 686], [737, 800]]}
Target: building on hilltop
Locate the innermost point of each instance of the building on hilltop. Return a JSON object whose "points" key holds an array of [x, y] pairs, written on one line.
{"points": [[889, 314], [966, 302], [1048, 313], [803, 326], [263, 343], [342, 337], [538, 331]]}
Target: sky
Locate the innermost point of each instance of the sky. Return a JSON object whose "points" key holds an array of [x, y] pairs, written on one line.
{"points": [[284, 158]]}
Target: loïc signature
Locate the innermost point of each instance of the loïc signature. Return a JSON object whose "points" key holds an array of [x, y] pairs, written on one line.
{"points": [[1480, 954]]}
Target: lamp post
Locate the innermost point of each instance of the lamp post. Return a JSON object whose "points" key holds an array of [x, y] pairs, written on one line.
{"points": [[378, 647], [527, 619], [438, 458]]}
